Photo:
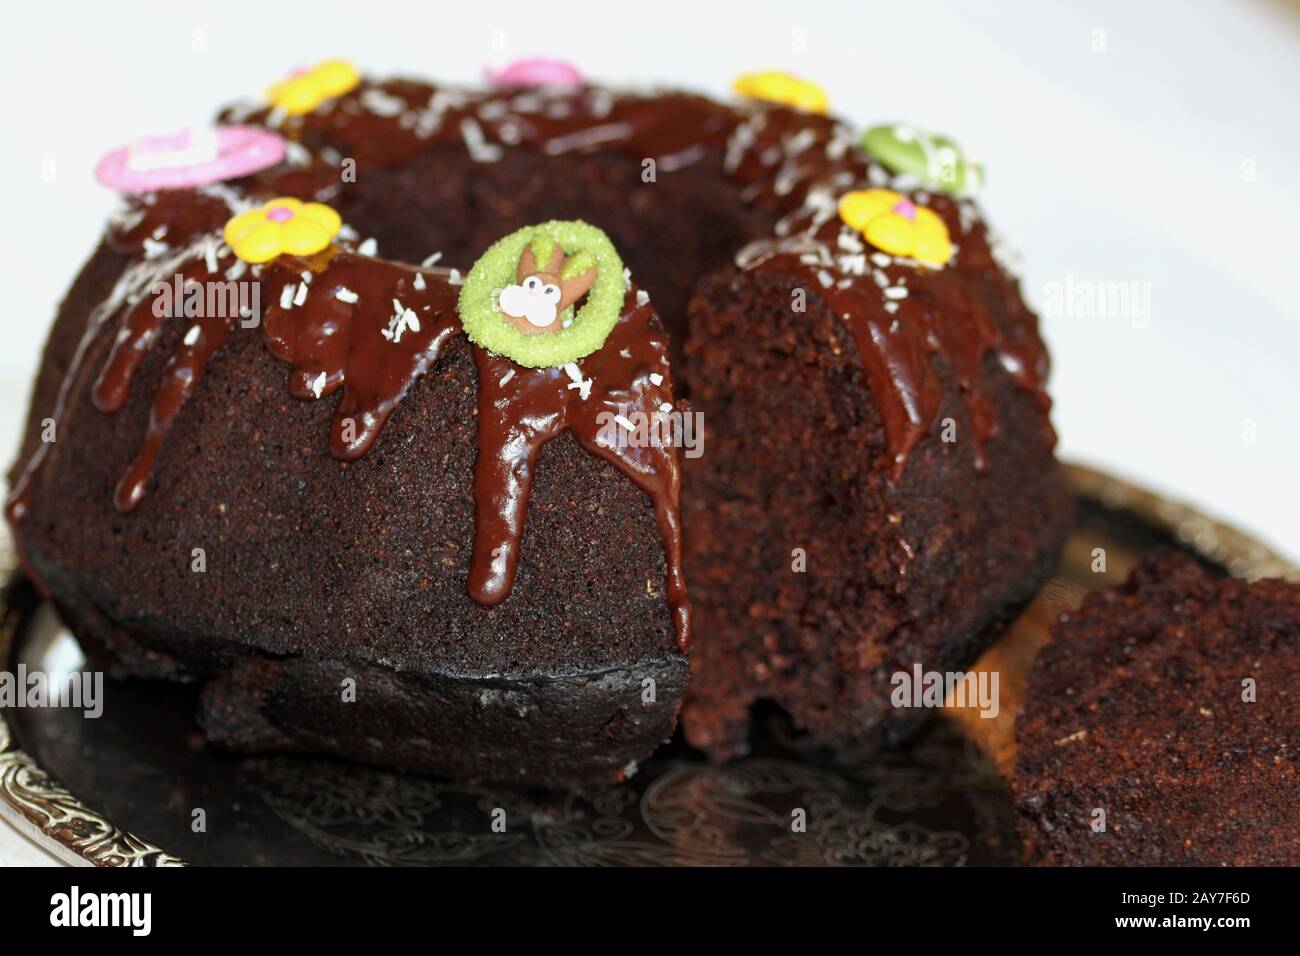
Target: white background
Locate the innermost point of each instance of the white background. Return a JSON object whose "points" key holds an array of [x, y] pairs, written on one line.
{"points": [[1154, 142]]}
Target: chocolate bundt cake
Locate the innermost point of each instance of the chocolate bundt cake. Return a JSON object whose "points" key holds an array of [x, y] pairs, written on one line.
{"points": [[1160, 726], [410, 512]]}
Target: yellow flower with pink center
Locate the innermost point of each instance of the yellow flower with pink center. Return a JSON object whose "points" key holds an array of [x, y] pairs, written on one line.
{"points": [[282, 226], [895, 224]]}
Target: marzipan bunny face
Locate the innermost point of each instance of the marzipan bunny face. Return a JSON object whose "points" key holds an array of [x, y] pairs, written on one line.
{"points": [[535, 303]]}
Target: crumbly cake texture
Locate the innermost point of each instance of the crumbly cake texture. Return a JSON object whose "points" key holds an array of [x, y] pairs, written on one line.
{"points": [[893, 425], [1139, 708], [929, 567]]}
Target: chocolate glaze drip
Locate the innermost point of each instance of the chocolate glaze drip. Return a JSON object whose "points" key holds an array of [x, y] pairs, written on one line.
{"points": [[902, 314], [338, 343], [793, 163], [521, 409], [135, 297], [896, 349], [206, 333], [154, 292], [946, 314]]}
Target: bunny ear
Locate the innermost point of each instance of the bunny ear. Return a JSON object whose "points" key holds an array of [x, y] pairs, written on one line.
{"points": [[556, 262], [577, 264], [527, 264], [575, 287], [541, 252]]}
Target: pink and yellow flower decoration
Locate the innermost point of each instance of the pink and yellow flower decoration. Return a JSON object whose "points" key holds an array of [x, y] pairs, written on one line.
{"points": [[282, 226], [894, 224], [303, 91], [785, 89]]}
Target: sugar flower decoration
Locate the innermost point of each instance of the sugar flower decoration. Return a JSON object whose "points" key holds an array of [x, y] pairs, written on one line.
{"points": [[894, 224], [783, 88], [933, 159], [537, 71], [304, 90], [282, 226], [192, 157]]}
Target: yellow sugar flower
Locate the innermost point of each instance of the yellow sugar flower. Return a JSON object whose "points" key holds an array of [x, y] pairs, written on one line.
{"points": [[303, 92], [284, 225], [894, 224], [777, 87]]}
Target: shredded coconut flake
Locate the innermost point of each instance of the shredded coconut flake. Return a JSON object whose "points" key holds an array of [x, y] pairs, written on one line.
{"points": [[381, 103], [583, 385], [853, 265], [297, 154], [404, 320], [476, 144], [848, 241]]}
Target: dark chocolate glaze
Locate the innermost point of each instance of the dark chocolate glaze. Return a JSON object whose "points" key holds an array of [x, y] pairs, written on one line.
{"points": [[520, 409], [796, 163], [182, 217], [792, 163], [334, 344], [140, 326], [173, 238], [339, 344]]}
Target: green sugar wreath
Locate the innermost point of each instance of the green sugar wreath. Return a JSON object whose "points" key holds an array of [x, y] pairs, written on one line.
{"points": [[583, 330]]}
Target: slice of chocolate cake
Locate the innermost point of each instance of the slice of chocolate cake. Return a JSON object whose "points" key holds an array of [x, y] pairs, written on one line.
{"points": [[1162, 726]]}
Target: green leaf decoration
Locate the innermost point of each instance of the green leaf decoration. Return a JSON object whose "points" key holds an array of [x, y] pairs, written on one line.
{"points": [[934, 159]]}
